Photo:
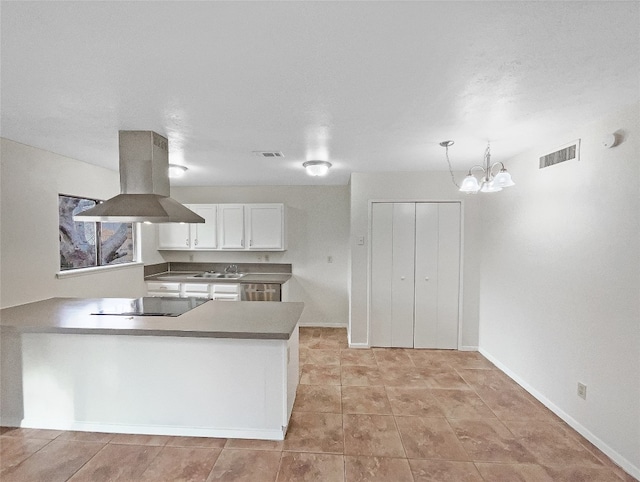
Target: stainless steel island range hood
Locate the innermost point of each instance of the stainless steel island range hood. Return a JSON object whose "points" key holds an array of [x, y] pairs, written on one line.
{"points": [[144, 185]]}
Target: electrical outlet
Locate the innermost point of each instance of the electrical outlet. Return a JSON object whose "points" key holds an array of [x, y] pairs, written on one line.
{"points": [[329, 259], [266, 257], [259, 258], [190, 257], [582, 390]]}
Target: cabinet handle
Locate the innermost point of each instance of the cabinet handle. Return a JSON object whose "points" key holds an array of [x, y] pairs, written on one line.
{"points": [[426, 279], [251, 242], [187, 242], [402, 278], [195, 242]]}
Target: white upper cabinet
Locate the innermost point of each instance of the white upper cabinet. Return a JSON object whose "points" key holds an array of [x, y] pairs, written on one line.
{"points": [[265, 226], [205, 236], [229, 227], [180, 236], [231, 224], [174, 236]]}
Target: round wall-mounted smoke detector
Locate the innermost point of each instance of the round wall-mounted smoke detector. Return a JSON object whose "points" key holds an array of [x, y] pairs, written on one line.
{"points": [[610, 140]]}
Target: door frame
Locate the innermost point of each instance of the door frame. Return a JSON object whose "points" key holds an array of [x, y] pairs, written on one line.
{"points": [[371, 202]]}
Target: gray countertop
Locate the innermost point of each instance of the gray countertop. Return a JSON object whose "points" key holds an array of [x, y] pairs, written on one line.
{"points": [[214, 319], [188, 277]]}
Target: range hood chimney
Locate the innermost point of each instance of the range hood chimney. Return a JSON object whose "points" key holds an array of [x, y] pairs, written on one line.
{"points": [[144, 185]]}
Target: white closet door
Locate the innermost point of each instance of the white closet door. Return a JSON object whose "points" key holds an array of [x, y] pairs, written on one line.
{"points": [[392, 274], [426, 294], [381, 271], [403, 275], [415, 266], [448, 275], [437, 275]]}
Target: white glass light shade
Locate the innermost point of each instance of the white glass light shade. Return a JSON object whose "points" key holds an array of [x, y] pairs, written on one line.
{"points": [[317, 168], [490, 186], [503, 179], [470, 184], [175, 170]]}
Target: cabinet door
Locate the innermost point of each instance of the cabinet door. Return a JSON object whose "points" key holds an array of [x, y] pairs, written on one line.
{"points": [[231, 226], [265, 226], [205, 236], [173, 236]]}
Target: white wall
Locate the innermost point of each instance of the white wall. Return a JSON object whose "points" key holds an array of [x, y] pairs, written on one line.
{"points": [[560, 283], [317, 227], [31, 180], [410, 186]]}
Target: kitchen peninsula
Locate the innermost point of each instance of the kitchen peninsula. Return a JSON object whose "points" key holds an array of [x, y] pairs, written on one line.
{"points": [[218, 370]]}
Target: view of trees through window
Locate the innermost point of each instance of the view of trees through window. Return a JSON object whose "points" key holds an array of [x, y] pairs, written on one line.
{"points": [[88, 244]]}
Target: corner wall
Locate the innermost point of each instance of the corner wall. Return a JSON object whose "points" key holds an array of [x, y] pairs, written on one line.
{"points": [[410, 186], [31, 180], [317, 225], [560, 283]]}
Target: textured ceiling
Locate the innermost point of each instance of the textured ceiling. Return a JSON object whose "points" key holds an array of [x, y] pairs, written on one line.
{"points": [[369, 86]]}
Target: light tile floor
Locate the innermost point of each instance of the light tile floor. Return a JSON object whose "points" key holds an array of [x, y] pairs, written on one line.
{"points": [[389, 415]]}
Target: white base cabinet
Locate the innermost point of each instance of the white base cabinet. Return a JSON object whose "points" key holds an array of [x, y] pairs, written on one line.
{"points": [[214, 291], [156, 385], [415, 275]]}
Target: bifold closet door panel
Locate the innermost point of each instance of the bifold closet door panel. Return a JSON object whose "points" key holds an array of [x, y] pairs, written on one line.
{"points": [[403, 275], [448, 275], [437, 275], [381, 273], [426, 286]]}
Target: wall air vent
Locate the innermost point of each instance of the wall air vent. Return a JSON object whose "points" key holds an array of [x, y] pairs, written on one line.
{"points": [[568, 152], [268, 154]]}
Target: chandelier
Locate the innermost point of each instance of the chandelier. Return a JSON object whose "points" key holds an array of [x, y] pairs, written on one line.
{"points": [[488, 181]]}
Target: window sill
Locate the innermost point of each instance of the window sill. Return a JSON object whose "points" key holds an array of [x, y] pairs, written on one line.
{"points": [[72, 273]]}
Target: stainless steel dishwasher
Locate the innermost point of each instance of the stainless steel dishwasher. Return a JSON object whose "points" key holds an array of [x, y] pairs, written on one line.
{"points": [[261, 292]]}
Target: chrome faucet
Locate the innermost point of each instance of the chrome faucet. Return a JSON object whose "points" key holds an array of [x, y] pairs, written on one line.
{"points": [[232, 268]]}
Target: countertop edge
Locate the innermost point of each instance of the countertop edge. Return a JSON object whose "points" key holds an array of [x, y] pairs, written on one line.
{"points": [[138, 332], [237, 320], [275, 278]]}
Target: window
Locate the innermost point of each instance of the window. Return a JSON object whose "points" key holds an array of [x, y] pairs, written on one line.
{"points": [[88, 244]]}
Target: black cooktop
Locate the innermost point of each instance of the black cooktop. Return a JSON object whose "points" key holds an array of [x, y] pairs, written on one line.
{"points": [[154, 306]]}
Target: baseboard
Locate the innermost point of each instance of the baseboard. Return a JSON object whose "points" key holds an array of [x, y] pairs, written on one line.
{"points": [[467, 348], [323, 325], [359, 345], [366, 345], [261, 434], [573, 423]]}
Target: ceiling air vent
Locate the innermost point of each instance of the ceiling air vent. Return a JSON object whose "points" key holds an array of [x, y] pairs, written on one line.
{"points": [[568, 152], [268, 154]]}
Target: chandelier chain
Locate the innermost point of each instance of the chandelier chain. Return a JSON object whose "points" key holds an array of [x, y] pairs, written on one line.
{"points": [[453, 178]]}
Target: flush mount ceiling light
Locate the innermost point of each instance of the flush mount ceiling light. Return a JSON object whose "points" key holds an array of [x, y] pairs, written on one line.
{"points": [[316, 168], [489, 182], [176, 170]]}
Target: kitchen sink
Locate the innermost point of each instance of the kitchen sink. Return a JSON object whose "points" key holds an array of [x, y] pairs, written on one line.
{"points": [[209, 274]]}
